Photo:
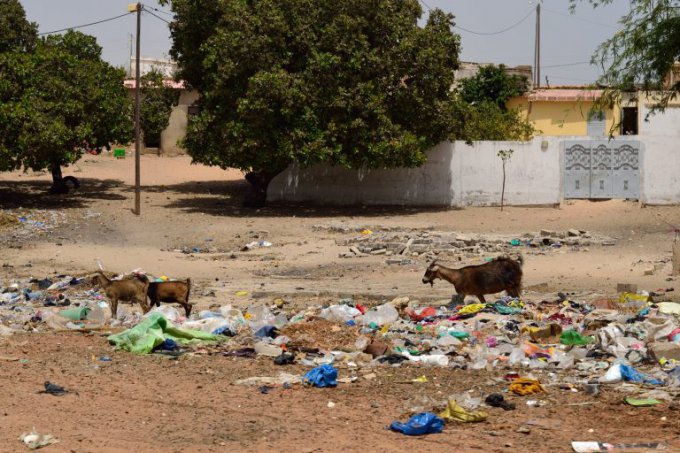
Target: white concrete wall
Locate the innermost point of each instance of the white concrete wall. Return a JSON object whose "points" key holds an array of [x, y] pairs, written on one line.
{"points": [[456, 174], [177, 127], [660, 124], [532, 173], [660, 170], [427, 185], [660, 166]]}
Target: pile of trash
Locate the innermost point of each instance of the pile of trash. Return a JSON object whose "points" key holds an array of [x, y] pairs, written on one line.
{"points": [[21, 225], [635, 338]]}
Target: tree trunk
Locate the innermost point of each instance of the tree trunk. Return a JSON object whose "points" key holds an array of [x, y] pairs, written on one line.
{"points": [[259, 182], [58, 186], [503, 190]]}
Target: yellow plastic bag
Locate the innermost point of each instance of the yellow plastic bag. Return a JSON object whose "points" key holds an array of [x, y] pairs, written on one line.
{"points": [[455, 412], [632, 303], [471, 309], [524, 386]]}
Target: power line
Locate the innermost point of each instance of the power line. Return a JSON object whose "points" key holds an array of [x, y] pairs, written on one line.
{"points": [[157, 17], [485, 33], [85, 25], [158, 10], [426, 5], [550, 76], [565, 64], [580, 18], [499, 31]]}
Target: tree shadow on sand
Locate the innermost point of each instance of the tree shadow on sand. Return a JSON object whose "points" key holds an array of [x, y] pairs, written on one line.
{"points": [[34, 194], [225, 199]]}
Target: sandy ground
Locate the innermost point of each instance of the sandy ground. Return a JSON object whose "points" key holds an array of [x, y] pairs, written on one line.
{"points": [[156, 404]]}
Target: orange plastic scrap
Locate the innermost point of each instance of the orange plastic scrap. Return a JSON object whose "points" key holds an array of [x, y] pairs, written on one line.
{"points": [[531, 349], [525, 386]]}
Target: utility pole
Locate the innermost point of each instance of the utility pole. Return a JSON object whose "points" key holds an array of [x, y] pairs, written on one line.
{"points": [[130, 59], [138, 8], [537, 48]]}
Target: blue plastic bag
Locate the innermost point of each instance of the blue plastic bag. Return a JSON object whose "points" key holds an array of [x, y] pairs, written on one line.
{"points": [[631, 374], [321, 376], [267, 331], [419, 424], [168, 345]]}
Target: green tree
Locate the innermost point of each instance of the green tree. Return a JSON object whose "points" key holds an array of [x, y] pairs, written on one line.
{"points": [[641, 54], [492, 84], [354, 83], [156, 106], [16, 33], [487, 121], [56, 100]]}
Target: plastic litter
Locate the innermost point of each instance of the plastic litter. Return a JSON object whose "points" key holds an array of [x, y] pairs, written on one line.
{"points": [[631, 374], [419, 424], [33, 440], [322, 376], [593, 447], [455, 412], [571, 337], [471, 309], [152, 332], [342, 313], [75, 314], [497, 400], [381, 315], [641, 402], [285, 358], [525, 386], [281, 379]]}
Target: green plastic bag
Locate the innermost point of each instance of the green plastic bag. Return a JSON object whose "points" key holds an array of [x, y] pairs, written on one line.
{"points": [[75, 314], [153, 331], [641, 402], [572, 337]]}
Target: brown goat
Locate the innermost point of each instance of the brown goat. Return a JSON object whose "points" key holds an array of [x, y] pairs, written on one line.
{"points": [[131, 289], [503, 273], [177, 291]]}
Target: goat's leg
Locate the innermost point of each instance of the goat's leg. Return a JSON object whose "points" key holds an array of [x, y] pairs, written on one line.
{"points": [[187, 308], [481, 298], [114, 307], [513, 292], [145, 306]]}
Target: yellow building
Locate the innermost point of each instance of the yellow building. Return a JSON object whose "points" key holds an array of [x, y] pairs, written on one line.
{"points": [[569, 111]]}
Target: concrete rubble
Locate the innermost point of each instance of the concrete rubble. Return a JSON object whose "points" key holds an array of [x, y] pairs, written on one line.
{"points": [[451, 244]]}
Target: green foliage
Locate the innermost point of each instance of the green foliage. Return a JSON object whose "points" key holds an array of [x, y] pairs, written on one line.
{"points": [[16, 33], [156, 106], [643, 52], [56, 99], [492, 84], [351, 83], [487, 121], [505, 154]]}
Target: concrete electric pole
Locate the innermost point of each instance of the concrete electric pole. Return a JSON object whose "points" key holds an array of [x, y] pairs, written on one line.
{"points": [[138, 8]]}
